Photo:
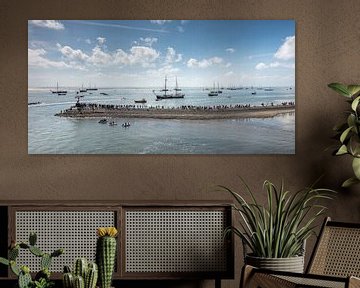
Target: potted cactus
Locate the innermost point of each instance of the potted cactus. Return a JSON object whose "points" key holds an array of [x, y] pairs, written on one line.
{"points": [[106, 254], [42, 278], [84, 275]]}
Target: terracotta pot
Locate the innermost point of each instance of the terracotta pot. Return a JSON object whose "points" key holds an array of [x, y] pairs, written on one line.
{"points": [[291, 264]]}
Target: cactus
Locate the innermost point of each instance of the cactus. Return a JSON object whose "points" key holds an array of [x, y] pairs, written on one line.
{"points": [[32, 239], [91, 276], [68, 280], [13, 253], [90, 272], [80, 268], [105, 254], [42, 278], [36, 251], [24, 277], [45, 261], [79, 282]]}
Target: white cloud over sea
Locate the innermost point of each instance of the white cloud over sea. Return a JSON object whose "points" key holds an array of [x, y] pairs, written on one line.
{"points": [[50, 24]]}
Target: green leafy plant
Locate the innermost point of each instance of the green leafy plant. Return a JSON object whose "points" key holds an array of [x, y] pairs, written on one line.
{"points": [[42, 278], [348, 132], [279, 229]]}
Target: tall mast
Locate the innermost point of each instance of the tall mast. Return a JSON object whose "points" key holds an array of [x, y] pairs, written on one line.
{"points": [[57, 86], [165, 84]]}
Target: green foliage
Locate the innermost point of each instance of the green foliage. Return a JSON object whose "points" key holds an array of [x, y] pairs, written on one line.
{"points": [[349, 131], [42, 278], [42, 283], [279, 229]]}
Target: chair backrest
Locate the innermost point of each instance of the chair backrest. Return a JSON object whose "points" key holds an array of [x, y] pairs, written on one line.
{"points": [[337, 251]]}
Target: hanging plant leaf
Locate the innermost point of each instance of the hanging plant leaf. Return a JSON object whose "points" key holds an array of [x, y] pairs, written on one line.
{"points": [[353, 89], [356, 167], [349, 182], [342, 150], [340, 88], [345, 134], [355, 103]]}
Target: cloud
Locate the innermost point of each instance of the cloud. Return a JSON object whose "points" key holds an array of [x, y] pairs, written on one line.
{"points": [[204, 63], [263, 66], [73, 54], [50, 24], [142, 55], [36, 58], [160, 22], [230, 50], [287, 49], [148, 41], [228, 65], [88, 41], [172, 56], [167, 70], [230, 73], [99, 57], [101, 40]]}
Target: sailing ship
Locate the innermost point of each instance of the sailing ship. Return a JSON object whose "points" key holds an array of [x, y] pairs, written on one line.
{"points": [[59, 92], [82, 89], [92, 89], [165, 95], [213, 92]]}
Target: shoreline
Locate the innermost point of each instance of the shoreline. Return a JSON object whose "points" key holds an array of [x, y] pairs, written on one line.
{"points": [[188, 113]]}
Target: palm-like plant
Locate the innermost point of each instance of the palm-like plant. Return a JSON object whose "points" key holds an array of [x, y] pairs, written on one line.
{"points": [[280, 229], [349, 131]]}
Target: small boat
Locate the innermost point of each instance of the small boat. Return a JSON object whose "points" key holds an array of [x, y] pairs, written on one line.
{"points": [[143, 101], [268, 89], [213, 93], [59, 92], [102, 93], [103, 121], [175, 95], [253, 93], [126, 124], [34, 103], [112, 123]]}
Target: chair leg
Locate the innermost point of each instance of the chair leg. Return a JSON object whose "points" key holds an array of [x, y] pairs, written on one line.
{"points": [[246, 274], [354, 282]]}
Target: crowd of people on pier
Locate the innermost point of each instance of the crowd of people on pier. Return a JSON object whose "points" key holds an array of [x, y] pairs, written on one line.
{"points": [[95, 106]]}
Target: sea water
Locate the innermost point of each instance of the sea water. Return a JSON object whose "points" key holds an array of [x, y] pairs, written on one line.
{"points": [[50, 134]]}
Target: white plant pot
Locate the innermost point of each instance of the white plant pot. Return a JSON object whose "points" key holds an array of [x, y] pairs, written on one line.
{"points": [[291, 264]]}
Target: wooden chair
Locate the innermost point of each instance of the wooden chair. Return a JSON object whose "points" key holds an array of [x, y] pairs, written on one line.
{"points": [[334, 263]]}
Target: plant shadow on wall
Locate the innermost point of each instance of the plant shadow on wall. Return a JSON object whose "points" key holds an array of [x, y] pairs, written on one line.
{"points": [[276, 232], [348, 132]]}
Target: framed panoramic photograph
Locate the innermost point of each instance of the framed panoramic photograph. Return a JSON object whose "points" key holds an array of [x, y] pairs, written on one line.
{"points": [[161, 87]]}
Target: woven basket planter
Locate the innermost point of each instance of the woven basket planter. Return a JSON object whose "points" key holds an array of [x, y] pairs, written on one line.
{"points": [[291, 264]]}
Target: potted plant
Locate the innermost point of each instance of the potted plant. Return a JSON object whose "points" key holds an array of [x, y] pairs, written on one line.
{"points": [[348, 132], [275, 233]]}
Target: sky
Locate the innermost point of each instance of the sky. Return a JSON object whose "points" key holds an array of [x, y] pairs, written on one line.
{"points": [[140, 53]]}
